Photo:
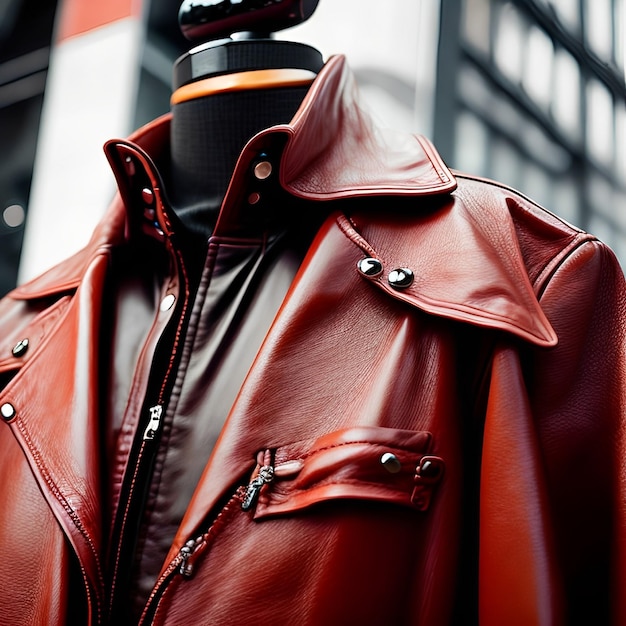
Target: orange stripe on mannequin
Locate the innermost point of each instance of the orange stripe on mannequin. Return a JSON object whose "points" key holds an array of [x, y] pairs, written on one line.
{"points": [[241, 81]]}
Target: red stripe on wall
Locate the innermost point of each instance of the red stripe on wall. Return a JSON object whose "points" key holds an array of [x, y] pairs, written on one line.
{"points": [[80, 16]]}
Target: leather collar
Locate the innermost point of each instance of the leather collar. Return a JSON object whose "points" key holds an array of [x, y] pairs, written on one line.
{"points": [[331, 151]]}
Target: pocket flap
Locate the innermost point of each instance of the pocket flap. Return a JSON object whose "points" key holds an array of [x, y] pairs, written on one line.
{"points": [[367, 463]]}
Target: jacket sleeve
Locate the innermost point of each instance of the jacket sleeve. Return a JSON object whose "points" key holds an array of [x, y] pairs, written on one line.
{"points": [[553, 490]]}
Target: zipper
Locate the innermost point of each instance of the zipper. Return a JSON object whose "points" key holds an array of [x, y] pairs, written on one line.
{"points": [[154, 424], [133, 497], [246, 497], [136, 484], [264, 476], [186, 569], [183, 565], [253, 490]]}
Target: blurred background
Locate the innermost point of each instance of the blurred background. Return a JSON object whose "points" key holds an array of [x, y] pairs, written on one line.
{"points": [[529, 92]]}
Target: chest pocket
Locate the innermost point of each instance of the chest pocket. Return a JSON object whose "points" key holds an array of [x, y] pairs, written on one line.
{"points": [[367, 463]]}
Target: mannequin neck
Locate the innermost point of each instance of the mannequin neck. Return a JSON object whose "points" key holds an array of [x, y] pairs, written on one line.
{"points": [[211, 125], [207, 136]]}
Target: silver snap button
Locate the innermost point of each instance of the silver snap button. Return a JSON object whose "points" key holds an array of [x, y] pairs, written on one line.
{"points": [[370, 267], [168, 302], [391, 462], [400, 278], [7, 411], [430, 468], [263, 170], [19, 349]]}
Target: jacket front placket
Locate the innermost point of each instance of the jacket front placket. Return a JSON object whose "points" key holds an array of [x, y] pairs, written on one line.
{"points": [[136, 446]]}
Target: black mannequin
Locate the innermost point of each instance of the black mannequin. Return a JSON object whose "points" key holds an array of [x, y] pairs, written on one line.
{"points": [[213, 119]]}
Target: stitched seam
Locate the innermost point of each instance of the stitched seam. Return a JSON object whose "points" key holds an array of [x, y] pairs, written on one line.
{"points": [[348, 443], [178, 329], [441, 306], [350, 481], [347, 226], [37, 457], [519, 194], [547, 273], [38, 325], [434, 158]]}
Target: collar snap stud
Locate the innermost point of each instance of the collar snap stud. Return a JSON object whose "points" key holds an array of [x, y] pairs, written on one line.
{"points": [[263, 170], [370, 267], [20, 348], [401, 278], [129, 166], [254, 198]]}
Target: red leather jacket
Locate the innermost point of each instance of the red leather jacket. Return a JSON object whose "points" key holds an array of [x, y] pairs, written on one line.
{"points": [[431, 433]]}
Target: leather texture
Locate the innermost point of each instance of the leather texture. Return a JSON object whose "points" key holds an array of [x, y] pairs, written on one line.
{"points": [[450, 452]]}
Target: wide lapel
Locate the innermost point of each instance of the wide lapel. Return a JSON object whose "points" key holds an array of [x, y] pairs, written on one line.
{"points": [[56, 393]]}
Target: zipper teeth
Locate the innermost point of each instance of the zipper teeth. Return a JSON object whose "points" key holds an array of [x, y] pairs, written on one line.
{"points": [[161, 401], [254, 487], [118, 552]]}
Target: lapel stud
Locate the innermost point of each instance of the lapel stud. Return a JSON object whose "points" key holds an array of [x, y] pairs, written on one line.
{"points": [[370, 267], [20, 348], [401, 278]]}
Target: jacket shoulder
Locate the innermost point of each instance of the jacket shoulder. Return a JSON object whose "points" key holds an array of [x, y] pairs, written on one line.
{"points": [[543, 237]]}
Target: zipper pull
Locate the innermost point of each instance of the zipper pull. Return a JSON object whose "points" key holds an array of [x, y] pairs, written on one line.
{"points": [[154, 423], [184, 567], [265, 476]]}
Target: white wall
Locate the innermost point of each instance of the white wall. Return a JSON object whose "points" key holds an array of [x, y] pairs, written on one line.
{"points": [[89, 98], [398, 37]]}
